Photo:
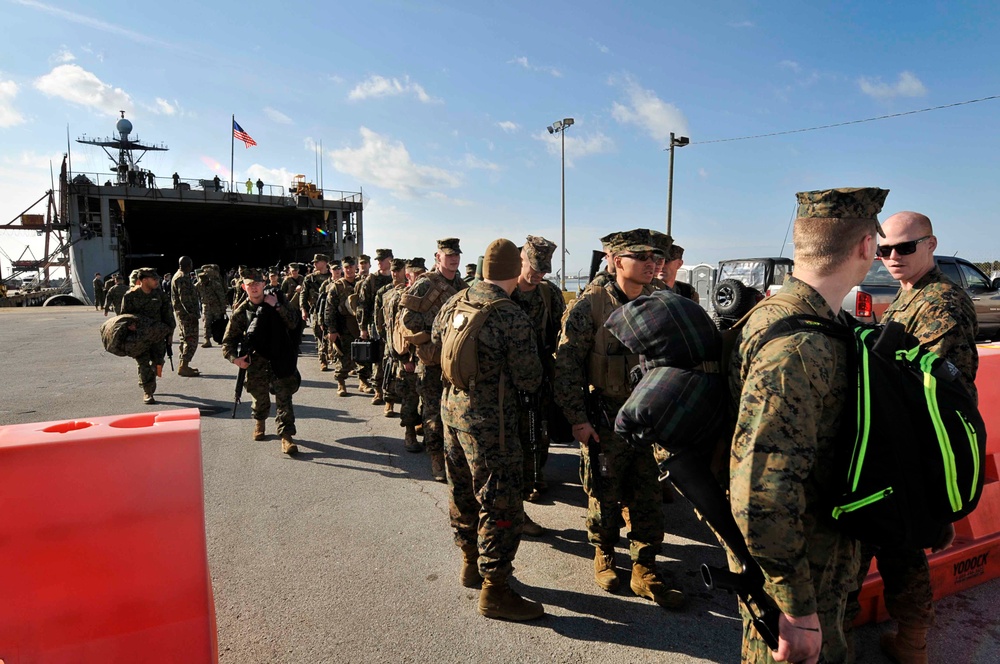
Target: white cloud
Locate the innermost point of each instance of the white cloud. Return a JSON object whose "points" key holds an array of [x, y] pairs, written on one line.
{"points": [[790, 64], [97, 24], [644, 109], [741, 24], [599, 46], [62, 56], [472, 161], [508, 126], [79, 86], [380, 86], [702, 173], [164, 107], [523, 61], [277, 116], [9, 116], [335, 78], [386, 163], [908, 85], [576, 146]]}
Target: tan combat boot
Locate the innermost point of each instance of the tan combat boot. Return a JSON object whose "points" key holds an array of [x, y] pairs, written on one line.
{"points": [[410, 442], [341, 388], [605, 573], [147, 398], [531, 529], [497, 600], [908, 646], [378, 399], [258, 429], [207, 344], [187, 370], [387, 412], [288, 445], [437, 467], [364, 386], [646, 583], [323, 365], [469, 576]]}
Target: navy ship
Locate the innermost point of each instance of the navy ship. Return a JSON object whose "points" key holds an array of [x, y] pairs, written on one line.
{"points": [[129, 217]]}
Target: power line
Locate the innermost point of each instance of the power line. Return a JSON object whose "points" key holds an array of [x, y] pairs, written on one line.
{"points": [[850, 122]]}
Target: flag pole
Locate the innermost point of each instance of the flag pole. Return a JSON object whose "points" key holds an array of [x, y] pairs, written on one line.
{"points": [[232, 150]]}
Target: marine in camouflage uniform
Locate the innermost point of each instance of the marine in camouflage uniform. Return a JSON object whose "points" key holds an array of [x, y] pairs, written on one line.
{"points": [[98, 292], [309, 301], [113, 296], [607, 275], [591, 384], [387, 383], [291, 286], [419, 305], [212, 293], [366, 311], [187, 311], [407, 383], [148, 300], [543, 302], [791, 393], [261, 380], [941, 315], [483, 451], [341, 327]]}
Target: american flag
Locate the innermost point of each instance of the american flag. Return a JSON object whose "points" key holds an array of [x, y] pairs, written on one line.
{"points": [[242, 135]]}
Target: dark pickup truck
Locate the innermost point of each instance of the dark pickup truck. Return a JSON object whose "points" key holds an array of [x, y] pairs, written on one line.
{"points": [[869, 301]]}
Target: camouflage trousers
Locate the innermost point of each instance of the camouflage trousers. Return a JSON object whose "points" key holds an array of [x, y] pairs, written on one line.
{"points": [[147, 363], [211, 315], [430, 389], [408, 397], [907, 578], [259, 383], [188, 331], [485, 486], [632, 482], [322, 344], [343, 363]]}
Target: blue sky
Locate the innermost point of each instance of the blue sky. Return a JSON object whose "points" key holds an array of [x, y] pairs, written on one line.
{"points": [[438, 110]]}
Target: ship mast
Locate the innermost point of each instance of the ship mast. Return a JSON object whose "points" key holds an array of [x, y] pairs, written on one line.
{"points": [[125, 161]]}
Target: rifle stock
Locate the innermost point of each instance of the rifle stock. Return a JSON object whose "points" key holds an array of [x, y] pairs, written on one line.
{"points": [[691, 475]]}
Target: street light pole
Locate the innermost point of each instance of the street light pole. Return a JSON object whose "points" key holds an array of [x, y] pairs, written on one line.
{"points": [[678, 142], [560, 126]]}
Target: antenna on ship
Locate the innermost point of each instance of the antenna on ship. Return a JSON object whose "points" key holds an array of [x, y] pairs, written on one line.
{"points": [[125, 162]]}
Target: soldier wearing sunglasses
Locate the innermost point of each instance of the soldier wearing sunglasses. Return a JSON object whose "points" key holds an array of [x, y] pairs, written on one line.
{"points": [[940, 314]]}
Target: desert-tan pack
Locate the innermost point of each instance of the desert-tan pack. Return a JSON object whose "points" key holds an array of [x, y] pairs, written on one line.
{"points": [[460, 340]]}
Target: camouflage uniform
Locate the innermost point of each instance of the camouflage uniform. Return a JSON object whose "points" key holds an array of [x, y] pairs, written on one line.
{"points": [[212, 293], [339, 318], [290, 288], [309, 301], [418, 307], [942, 317], [156, 307], [632, 478], [483, 454], [407, 391], [260, 379], [367, 310], [185, 302], [545, 307], [113, 297], [98, 292]]}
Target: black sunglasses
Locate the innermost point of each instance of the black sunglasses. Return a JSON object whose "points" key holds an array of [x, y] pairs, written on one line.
{"points": [[642, 256], [903, 248]]}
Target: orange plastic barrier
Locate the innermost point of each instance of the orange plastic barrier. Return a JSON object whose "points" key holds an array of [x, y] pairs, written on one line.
{"points": [[102, 544], [975, 556]]}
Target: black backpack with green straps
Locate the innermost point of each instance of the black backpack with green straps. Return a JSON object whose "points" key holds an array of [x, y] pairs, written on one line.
{"points": [[912, 439]]}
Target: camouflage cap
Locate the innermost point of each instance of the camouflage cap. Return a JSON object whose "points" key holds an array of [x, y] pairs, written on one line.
{"points": [[295, 266], [364, 258], [272, 270], [637, 239], [416, 263], [335, 265], [382, 254], [449, 246], [661, 240], [348, 260], [608, 240], [321, 257], [397, 264], [248, 275], [676, 252], [862, 203], [144, 272], [470, 267], [119, 277], [539, 252]]}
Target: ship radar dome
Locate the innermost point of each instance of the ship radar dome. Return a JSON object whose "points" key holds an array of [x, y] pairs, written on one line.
{"points": [[124, 127]]}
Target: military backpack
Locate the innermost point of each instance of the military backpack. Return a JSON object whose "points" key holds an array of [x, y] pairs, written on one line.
{"points": [[460, 340]]}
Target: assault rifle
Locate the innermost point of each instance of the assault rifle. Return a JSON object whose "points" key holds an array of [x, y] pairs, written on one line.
{"points": [[170, 350], [245, 348], [530, 402], [597, 415], [691, 474]]}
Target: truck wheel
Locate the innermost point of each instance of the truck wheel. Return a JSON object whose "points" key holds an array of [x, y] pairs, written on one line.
{"points": [[731, 298]]}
